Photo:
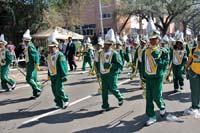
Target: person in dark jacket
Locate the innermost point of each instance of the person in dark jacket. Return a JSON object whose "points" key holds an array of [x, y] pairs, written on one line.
{"points": [[70, 54]]}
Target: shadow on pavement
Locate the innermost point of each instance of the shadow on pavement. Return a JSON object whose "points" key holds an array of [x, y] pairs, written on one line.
{"points": [[136, 97], [23, 114], [179, 96], [64, 117], [120, 126], [127, 90], [80, 82], [9, 101]]}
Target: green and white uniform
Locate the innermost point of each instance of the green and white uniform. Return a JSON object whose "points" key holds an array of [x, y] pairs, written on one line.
{"points": [[32, 59], [179, 59], [154, 62], [58, 71], [110, 67], [87, 58], [5, 61]]}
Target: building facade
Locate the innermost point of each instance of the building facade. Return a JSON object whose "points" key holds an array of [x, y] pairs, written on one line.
{"points": [[91, 21]]}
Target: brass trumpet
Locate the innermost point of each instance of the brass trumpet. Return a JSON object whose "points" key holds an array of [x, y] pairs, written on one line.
{"points": [[135, 67], [93, 72]]}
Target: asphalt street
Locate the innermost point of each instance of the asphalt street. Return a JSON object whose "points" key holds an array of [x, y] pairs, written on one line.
{"points": [[19, 114]]}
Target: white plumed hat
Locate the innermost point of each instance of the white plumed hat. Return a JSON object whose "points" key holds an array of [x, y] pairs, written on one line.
{"points": [[100, 41], [2, 39], [52, 39], [27, 36], [110, 37]]}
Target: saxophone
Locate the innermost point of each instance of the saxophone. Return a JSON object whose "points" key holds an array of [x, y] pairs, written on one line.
{"points": [[135, 67], [92, 71]]}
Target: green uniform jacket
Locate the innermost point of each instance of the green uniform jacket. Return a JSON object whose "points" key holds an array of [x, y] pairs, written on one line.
{"points": [[8, 58], [33, 54], [61, 68], [120, 51], [139, 62], [117, 65], [161, 62], [88, 55], [126, 54], [97, 63], [184, 60]]}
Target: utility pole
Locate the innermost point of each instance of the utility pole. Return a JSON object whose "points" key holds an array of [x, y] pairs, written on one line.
{"points": [[101, 19]]}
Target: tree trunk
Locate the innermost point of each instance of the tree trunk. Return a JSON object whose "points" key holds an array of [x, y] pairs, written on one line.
{"points": [[123, 26], [184, 27]]}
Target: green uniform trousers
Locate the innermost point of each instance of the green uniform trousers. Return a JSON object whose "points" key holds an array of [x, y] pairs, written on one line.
{"points": [[178, 78], [31, 79], [58, 91], [5, 80], [154, 93], [195, 89], [85, 61], [109, 83]]}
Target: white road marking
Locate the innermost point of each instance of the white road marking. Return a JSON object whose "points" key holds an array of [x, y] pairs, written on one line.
{"points": [[125, 81], [23, 86], [81, 72], [72, 103]]}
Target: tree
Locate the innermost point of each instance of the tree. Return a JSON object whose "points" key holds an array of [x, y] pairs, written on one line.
{"points": [[64, 13], [194, 25], [18, 15], [165, 11]]}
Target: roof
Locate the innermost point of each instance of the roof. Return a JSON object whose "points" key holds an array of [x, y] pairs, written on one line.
{"points": [[62, 34]]}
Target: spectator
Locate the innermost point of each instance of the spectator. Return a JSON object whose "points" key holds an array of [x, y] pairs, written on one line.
{"points": [[70, 54]]}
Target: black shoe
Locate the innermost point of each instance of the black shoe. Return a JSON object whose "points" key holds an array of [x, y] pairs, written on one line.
{"points": [[120, 103], [181, 88], [75, 68], [176, 90], [38, 94], [32, 97], [104, 110]]}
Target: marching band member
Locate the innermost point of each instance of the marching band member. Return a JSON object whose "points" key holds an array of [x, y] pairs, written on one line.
{"points": [[137, 62], [135, 43], [87, 55], [135, 47], [165, 44], [5, 61], [119, 49], [126, 51], [193, 74], [57, 72], [110, 67], [178, 56], [154, 62], [32, 65], [96, 65]]}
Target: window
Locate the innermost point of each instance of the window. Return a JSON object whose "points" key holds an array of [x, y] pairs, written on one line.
{"points": [[106, 16], [88, 29]]}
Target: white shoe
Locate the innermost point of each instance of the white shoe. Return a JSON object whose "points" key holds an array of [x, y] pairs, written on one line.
{"points": [[191, 111], [172, 118], [13, 87], [162, 113], [65, 105], [151, 121]]}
